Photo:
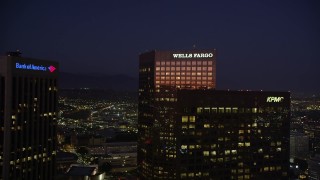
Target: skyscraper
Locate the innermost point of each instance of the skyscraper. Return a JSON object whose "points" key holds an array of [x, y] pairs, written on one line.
{"points": [[187, 129], [28, 111], [232, 134], [161, 74]]}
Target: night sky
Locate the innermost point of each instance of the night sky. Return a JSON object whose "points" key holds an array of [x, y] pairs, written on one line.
{"points": [[261, 44]]}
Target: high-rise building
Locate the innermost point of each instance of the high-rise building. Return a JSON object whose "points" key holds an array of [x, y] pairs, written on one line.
{"points": [[28, 111], [232, 134], [299, 145], [314, 167], [161, 74], [189, 130]]}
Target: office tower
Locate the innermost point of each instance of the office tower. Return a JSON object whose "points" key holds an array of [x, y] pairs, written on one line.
{"points": [[299, 145], [188, 130], [161, 74], [314, 167], [232, 134], [28, 110]]}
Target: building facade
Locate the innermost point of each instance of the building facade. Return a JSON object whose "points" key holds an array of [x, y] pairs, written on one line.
{"points": [[232, 134], [161, 74], [188, 130], [28, 111], [299, 145]]}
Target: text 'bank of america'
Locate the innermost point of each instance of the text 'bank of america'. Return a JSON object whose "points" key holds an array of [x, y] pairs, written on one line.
{"points": [[189, 130]]}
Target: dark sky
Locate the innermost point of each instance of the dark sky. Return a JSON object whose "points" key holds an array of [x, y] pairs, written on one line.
{"points": [[261, 44]]}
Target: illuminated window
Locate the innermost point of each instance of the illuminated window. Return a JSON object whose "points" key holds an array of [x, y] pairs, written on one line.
{"points": [[184, 118], [206, 125], [254, 110], [183, 175], [192, 118], [206, 153], [213, 153], [199, 110], [235, 110], [278, 143], [247, 144], [214, 110], [221, 110], [192, 126]]}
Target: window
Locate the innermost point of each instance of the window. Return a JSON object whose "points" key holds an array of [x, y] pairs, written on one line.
{"points": [[192, 126], [235, 110], [184, 118], [205, 153], [192, 118]]}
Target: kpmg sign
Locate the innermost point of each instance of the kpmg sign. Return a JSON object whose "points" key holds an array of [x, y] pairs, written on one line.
{"points": [[34, 67], [274, 99], [192, 55]]}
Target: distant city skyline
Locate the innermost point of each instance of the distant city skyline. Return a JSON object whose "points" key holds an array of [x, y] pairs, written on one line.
{"points": [[260, 45]]}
